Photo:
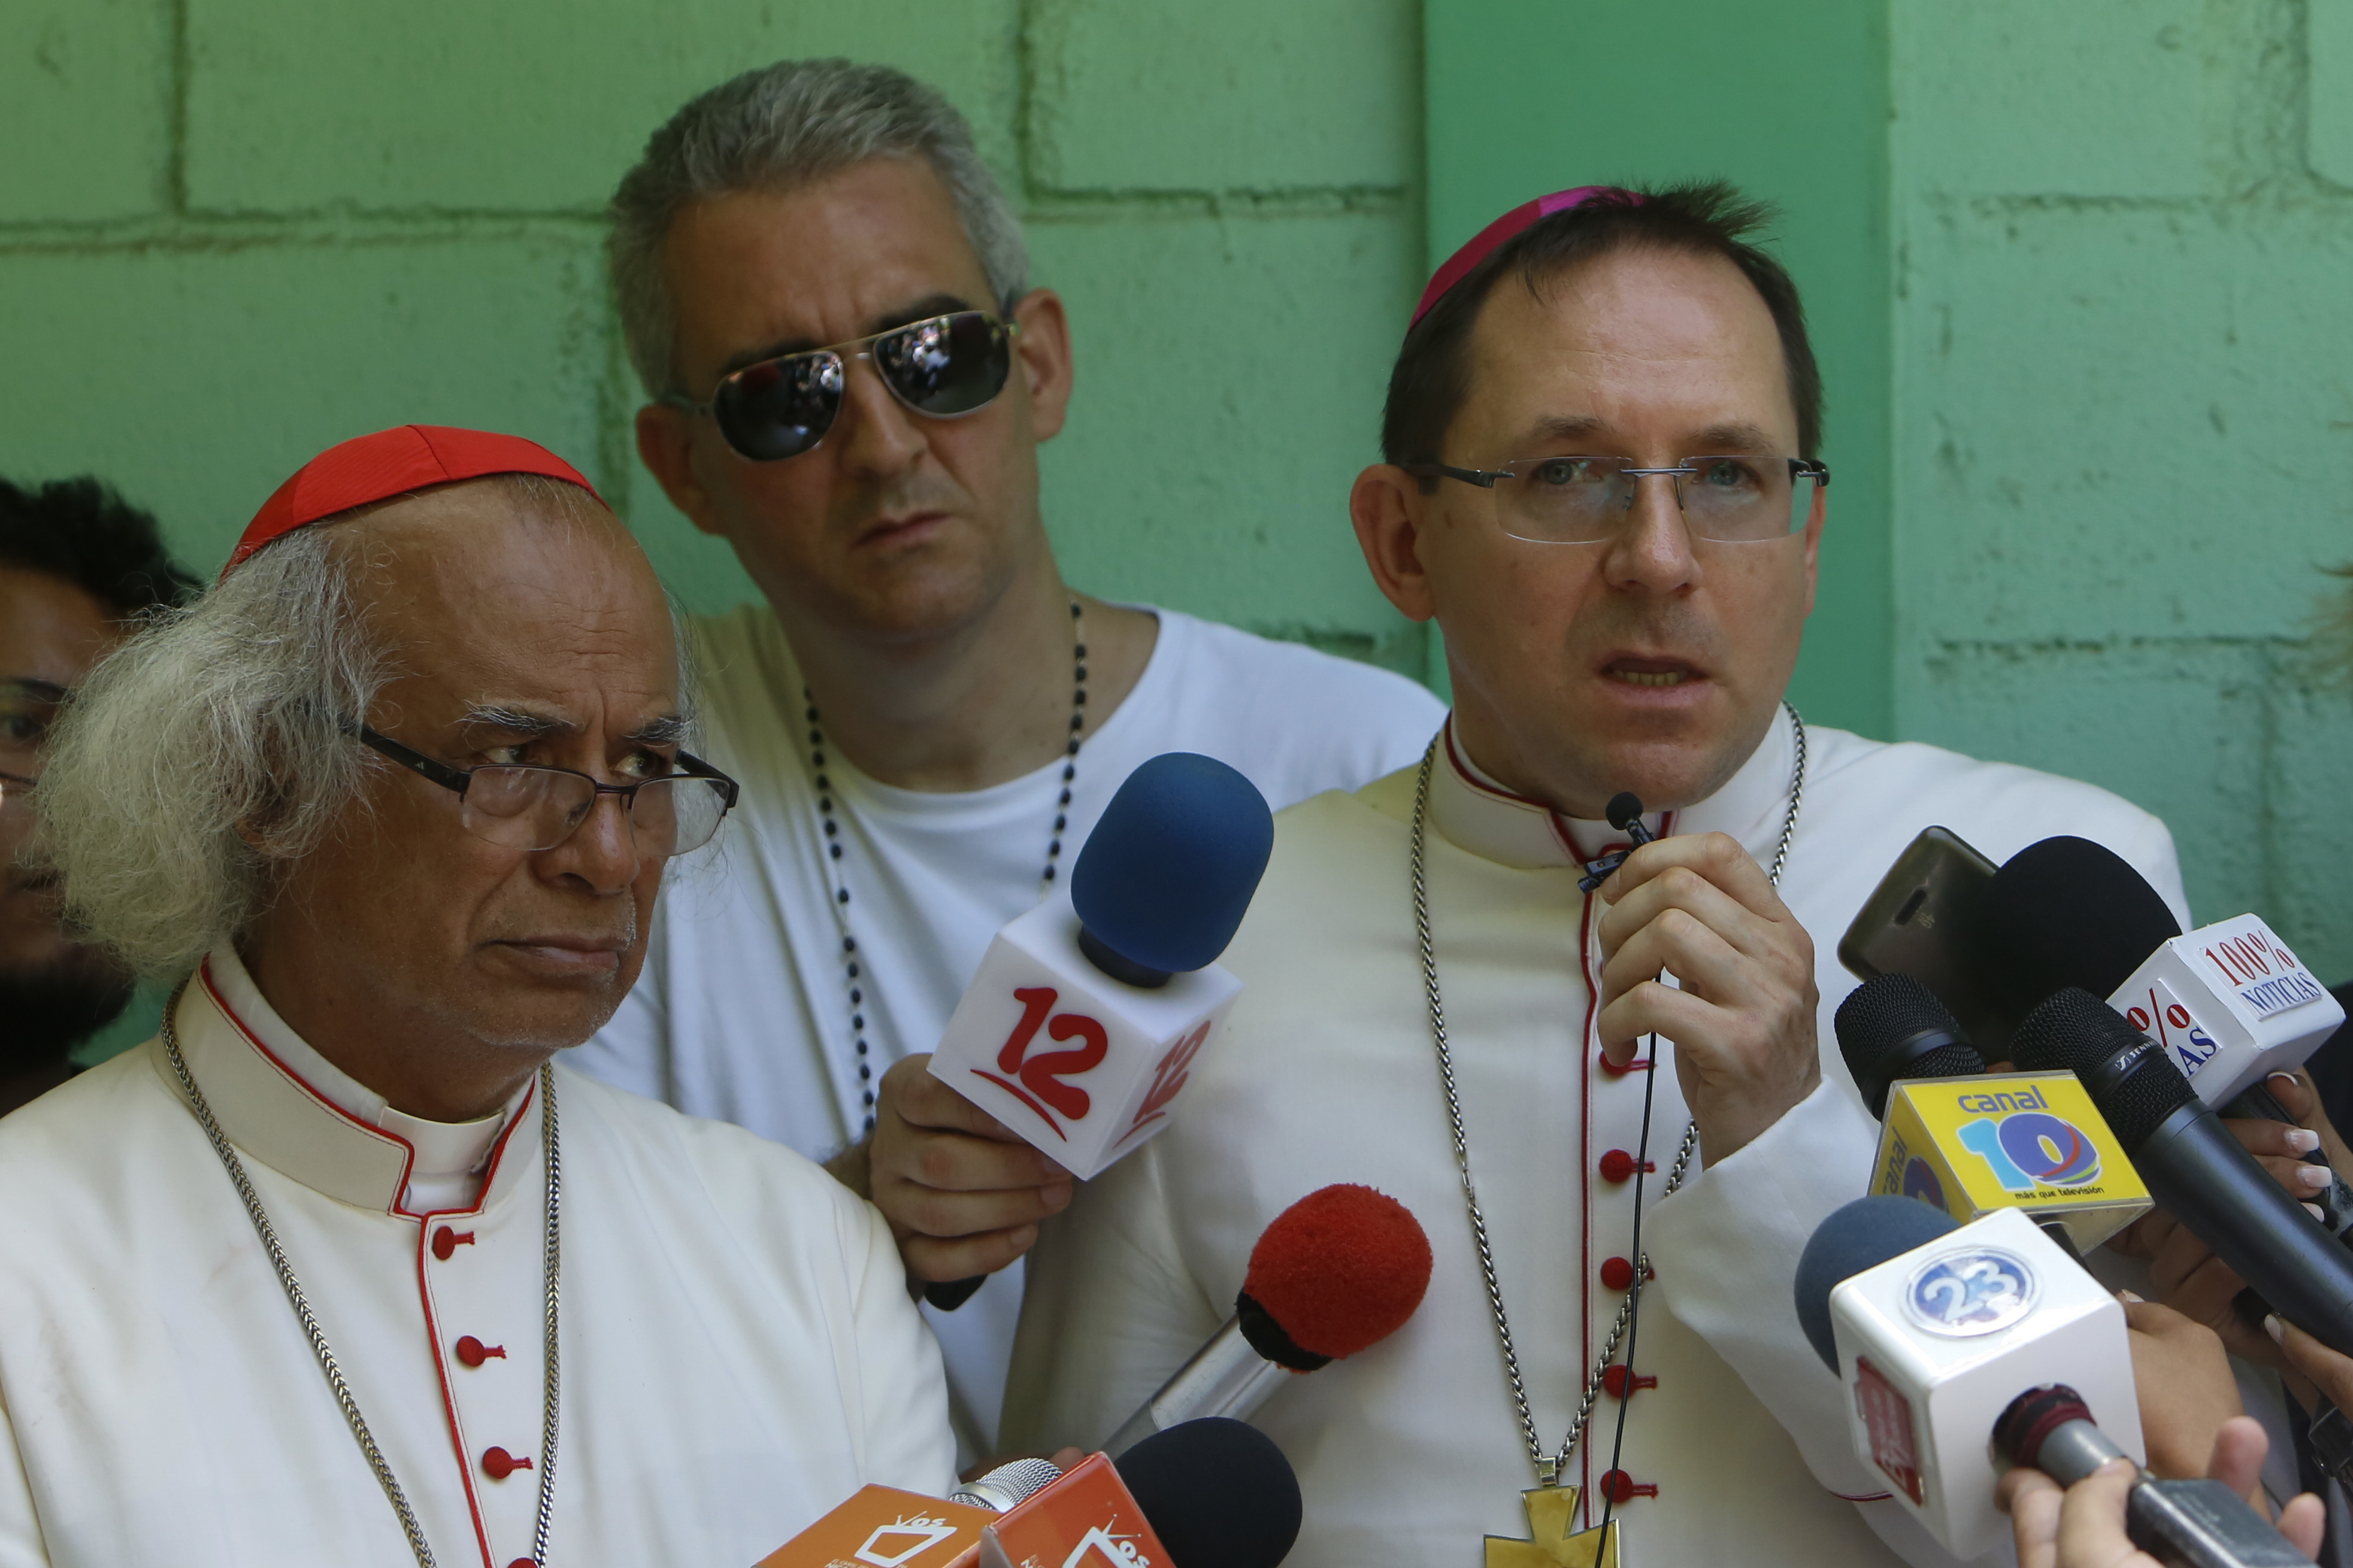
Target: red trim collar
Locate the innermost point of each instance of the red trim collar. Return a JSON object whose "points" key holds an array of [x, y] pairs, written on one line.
{"points": [[399, 1204]]}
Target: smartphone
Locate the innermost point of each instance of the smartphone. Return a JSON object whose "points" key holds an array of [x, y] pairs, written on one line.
{"points": [[1924, 921]]}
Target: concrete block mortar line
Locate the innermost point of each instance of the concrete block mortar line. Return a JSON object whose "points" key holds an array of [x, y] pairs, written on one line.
{"points": [[617, 396], [176, 133], [1073, 204], [2036, 648], [201, 232]]}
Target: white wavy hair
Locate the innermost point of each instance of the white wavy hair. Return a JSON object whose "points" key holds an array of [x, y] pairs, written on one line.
{"points": [[209, 750], [779, 128]]}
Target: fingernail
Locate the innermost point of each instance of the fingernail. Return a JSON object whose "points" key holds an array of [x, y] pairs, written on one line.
{"points": [[2314, 1210], [2314, 1176], [2304, 1140], [1055, 1195], [2286, 1077], [2127, 1296], [1023, 1235], [2272, 1327]]}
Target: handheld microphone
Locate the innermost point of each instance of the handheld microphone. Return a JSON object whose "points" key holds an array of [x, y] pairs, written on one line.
{"points": [[2193, 1165], [2230, 1000], [2201, 1523], [1211, 1493], [1338, 1271], [1624, 813], [1968, 1142], [1080, 1029], [1206, 1494], [1936, 1330]]}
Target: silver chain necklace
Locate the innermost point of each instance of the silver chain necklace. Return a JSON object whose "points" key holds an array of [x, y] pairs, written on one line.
{"points": [[295, 1298], [851, 965], [1548, 1467]]}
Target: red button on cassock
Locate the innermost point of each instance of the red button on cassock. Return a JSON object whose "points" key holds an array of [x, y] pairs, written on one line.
{"points": [[474, 1353], [447, 1241], [498, 1464], [1617, 1273], [1620, 1487], [1615, 1379], [1619, 1165], [523, 1562]]}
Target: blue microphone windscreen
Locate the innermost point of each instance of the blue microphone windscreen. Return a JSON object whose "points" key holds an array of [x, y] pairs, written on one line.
{"points": [[1217, 1492], [1168, 872], [1863, 1235]]}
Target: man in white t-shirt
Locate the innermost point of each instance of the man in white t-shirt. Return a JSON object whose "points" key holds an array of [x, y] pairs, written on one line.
{"points": [[826, 297]]}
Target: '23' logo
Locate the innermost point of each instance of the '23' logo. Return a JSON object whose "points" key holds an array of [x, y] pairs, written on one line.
{"points": [[2030, 1150]]}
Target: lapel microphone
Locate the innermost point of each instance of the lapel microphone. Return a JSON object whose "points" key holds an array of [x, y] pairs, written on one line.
{"points": [[1625, 813]]}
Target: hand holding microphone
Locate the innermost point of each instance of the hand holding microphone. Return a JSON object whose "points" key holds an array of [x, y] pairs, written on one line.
{"points": [[1742, 1011], [2108, 1513], [1073, 1042], [1946, 1337]]}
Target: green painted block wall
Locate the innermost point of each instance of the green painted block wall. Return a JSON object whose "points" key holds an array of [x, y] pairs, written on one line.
{"points": [[235, 231], [232, 232], [2122, 406]]}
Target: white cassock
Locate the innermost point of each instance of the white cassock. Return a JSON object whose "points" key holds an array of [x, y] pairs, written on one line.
{"points": [[738, 1352], [1411, 1451]]}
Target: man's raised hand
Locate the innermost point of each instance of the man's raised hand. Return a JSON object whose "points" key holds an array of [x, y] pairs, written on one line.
{"points": [[1700, 908], [964, 1195]]}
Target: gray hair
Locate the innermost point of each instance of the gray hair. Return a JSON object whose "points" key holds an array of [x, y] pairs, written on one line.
{"points": [[778, 129], [210, 749], [207, 749]]}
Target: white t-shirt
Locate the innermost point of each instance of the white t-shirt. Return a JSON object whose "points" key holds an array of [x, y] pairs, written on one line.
{"points": [[744, 1010]]}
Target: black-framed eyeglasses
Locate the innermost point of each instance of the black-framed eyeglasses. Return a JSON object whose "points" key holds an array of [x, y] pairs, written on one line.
{"points": [[28, 711], [1584, 500], [942, 367], [524, 805]]}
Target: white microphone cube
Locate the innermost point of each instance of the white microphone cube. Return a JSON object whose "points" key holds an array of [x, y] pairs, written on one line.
{"points": [[2229, 1002], [1085, 1066], [1935, 1344]]}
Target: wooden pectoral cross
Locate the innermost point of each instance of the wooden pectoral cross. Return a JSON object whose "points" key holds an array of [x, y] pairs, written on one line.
{"points": [[1550, 1512]]}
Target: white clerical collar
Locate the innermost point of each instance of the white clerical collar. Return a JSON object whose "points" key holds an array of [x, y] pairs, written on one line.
{"points": [[1475, 812], [277, 1097]]}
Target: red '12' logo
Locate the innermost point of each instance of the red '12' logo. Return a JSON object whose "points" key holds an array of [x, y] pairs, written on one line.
{"points": [[1168, 1079], [1041, 1075]]}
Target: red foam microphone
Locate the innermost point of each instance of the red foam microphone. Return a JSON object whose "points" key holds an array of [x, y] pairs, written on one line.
{"points": [[1337, 1272]]}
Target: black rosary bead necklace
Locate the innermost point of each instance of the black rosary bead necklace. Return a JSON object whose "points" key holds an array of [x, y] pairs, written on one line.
{"points": [[851, 967]]}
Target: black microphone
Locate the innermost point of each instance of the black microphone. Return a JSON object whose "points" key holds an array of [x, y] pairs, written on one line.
{"points": [[2193, 1165], [1217, 1492], [1625, 813], [1892, 1027], [2067, 911]]}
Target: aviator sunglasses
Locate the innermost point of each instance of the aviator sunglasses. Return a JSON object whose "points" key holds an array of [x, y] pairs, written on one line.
{"points": [[942, 367]]}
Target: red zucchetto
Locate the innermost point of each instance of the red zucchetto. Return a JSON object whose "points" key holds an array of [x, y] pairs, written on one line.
{"points": [[391, 463]]}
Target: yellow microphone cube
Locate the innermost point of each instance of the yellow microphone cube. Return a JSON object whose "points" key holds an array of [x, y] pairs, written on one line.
{"points": [[2030, 1141]]}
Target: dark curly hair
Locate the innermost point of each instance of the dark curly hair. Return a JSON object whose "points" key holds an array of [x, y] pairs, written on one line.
{"points": [[1698, 217], [81, 530]]}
